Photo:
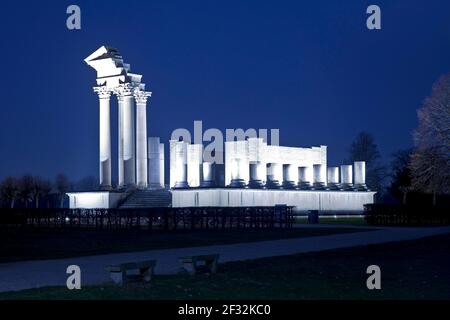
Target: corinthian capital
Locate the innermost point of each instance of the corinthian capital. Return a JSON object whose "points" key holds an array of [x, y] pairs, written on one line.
{"points": [[141, 96], [103, 92], [125, 89]]}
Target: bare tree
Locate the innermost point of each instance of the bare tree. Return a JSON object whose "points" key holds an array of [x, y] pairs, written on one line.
{"points": [[401, 174], [46, 188], [62, 185], [9, 190], [26, 185], [363, 148], [89, 183], [430, 163], [40, 188], [430, 168]]}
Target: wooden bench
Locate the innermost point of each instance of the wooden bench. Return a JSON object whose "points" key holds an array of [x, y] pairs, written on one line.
{"points": [[208, 263], [120, 273]]}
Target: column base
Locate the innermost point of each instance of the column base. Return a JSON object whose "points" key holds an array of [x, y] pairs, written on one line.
{"points": [[237, 183], [304, 185], [181, 185], [348, 187], [319, 186], [142, 186], [105, 187], [206, 184], [256, 184], [289, 185], [361, 187], [334, 186], [273, 184]]}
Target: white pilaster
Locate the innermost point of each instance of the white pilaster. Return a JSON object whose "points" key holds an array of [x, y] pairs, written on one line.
{"points": [[104, 95]]}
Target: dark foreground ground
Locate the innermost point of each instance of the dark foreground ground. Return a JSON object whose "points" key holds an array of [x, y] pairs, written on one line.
{"points": [[30, 244], [418, 269]]}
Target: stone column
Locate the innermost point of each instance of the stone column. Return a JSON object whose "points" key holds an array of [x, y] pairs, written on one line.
{"points": [[360, 175], [319, 177], [347, 177], [141, 138], [194, 164], [155, 163], [120, 141], [290, 176], [129, 161], [274, 176], [207, 180], [178, 164], [104, 95], [258, 175], [237, 173], [304, 178], [333, 178]]}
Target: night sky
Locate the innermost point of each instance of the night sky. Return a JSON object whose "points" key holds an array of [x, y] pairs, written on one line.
{"points": [[311, 69]]}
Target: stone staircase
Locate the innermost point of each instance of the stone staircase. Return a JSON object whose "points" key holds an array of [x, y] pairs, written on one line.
{"points": [[150, 198]]}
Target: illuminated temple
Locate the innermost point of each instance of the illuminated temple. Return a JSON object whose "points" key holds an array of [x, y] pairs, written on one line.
{"points": [[253, 173]]}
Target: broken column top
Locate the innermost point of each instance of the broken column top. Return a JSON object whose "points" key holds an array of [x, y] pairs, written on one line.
{"points": [[111, 69]]}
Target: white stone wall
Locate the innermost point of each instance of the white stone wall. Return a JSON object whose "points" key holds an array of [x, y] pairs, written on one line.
{"points": [[94, 200], [255, 150], [301, 200]]}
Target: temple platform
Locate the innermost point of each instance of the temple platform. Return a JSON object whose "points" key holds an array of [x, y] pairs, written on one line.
{"points": [[302, 200]]}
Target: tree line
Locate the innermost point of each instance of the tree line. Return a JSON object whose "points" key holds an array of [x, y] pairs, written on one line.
{"points": [[30, 191]]}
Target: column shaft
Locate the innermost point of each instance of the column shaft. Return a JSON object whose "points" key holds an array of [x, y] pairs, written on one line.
{"points": [[105, 137], [128, 141], [141, 145], [120, 165], [141, 138]]}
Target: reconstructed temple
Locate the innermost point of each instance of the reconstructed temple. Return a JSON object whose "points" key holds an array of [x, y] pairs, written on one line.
{"points": [[253, 174]]}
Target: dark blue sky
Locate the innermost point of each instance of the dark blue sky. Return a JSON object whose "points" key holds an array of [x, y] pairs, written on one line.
{"points": [[310, 68]]}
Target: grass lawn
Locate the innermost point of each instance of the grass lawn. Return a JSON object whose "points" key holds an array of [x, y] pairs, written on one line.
{"points": [[418, 269], [30, 244]]}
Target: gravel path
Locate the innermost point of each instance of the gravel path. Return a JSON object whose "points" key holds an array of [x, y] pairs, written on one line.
{"points": [[34, 274]]}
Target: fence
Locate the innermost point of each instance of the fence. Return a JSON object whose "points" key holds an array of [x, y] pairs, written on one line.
{"points": [[150, 218], [386, 214]]}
